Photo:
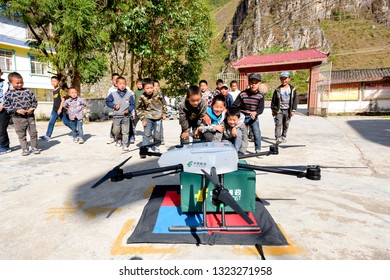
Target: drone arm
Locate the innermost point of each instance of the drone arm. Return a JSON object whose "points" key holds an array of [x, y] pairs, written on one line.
{"points": [[177, 168], [312, 172]]}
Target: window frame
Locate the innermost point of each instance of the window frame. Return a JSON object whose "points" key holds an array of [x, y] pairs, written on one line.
{"points": [[12, 60]]}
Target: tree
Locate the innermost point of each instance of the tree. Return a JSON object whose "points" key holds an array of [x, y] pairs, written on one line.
{"points": [[168, 39], [68, 33]]}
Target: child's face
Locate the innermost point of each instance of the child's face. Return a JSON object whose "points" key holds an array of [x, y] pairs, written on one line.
{"points": [[121, 84], [156, 87], [73, 93], [194, 100], [234, 86], [139, 85], [219, 85], [148, 88], [224, 91], [218, 107], [17, 83], [254, 85], [203, 87], [113, 80], [54, 82], [284, 80], [232, 121]]}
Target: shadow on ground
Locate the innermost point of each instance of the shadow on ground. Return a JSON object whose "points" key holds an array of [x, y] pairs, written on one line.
{"points": [[377, 131]]}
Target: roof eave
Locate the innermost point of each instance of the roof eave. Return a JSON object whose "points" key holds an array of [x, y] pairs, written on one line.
{"points": [[279, 63]]}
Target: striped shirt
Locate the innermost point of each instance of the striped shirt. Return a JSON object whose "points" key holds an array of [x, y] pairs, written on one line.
{"points": [[249, 102]]}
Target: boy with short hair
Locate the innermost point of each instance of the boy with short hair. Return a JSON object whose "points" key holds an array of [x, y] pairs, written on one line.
{"points": [[21, 104], [156, 88], [228, 98], [151, 110], [213, 120], [234, 91], [251, 104], [137, 93], [206, 94], [191, 111], [235, 130], [122, 101], [75, 106], [59, 97], [4, 118], [283, 105]]}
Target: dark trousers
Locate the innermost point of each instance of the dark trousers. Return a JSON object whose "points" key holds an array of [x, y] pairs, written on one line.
{"points": [[282, 121], [4, 121]]}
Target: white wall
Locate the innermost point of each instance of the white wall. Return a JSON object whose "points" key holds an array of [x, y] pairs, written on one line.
{"points": [[12, 28]]}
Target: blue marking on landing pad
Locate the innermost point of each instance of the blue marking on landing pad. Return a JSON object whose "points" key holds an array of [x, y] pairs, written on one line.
{"points": [[172, 216]]}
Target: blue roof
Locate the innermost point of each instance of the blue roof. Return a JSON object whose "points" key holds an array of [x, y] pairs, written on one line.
{"points": [[12, 41]]}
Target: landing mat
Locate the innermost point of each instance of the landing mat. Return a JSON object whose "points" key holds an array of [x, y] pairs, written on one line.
{"points": [[163, 210]]}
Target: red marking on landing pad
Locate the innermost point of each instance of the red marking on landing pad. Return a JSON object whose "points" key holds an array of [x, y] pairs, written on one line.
{"points": [[171, 198], [214, 220]]}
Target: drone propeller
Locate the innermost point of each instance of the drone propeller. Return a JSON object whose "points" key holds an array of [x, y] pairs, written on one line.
{"points": [[220, 194], [313, 172], [116, 174]]}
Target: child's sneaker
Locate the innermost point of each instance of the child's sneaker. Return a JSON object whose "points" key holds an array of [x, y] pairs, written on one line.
{"points": [[110, 141], [132, 140], [25, 152], [46, 138], [4, 150], [75, 140], [279, 140], [35, 151], [118, 143], [81, 141]]}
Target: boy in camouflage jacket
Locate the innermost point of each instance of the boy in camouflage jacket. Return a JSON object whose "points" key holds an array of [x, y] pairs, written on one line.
{"points": [[152, 110]]}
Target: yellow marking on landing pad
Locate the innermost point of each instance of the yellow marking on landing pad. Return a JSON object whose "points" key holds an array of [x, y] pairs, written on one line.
{"points": [[70, 208], [270, 250], [119, 249], [61, 211], [148, 192]]}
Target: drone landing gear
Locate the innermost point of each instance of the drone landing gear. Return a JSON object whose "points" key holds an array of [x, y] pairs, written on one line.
{"points": [[205, 227]]}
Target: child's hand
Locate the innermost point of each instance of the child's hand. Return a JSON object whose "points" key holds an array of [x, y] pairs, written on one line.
{"points": [[234, 132], [126, 112], [273, 114], [144, 123], [30, 111], [185, 135], [164, 117], [253, 115], [59, 111], [292, 113], [21, 112], [219, 128], [116, 107]]}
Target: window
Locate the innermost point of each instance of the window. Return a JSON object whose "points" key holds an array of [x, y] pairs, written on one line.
{"points": [[37, 68], [6, 60]]}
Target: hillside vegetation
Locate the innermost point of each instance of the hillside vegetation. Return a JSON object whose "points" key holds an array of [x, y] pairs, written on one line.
{"points": [[356, 43]]}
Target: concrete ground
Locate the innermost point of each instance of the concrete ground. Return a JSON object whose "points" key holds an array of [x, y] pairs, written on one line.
{"points": [[49, 211]]}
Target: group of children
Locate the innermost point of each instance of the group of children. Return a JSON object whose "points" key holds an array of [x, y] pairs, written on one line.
{"points": [[204, 115], [19, 103]]}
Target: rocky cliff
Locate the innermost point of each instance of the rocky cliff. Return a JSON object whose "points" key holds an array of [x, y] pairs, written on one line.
{"points": [[293, 24]]}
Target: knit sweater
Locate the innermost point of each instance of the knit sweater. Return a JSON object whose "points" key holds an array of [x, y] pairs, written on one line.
{"points": [[249, 102], [17, 99]]}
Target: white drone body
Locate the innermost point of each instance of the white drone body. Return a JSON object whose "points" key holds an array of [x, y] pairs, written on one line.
{"points": [[195, 157]]}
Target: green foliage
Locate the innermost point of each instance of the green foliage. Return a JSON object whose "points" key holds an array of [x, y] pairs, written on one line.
{"points": [[68, 33], [168, 41]]}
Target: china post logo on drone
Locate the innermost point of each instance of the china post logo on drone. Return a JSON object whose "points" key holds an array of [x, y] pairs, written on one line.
{"points": [[196, 164]]}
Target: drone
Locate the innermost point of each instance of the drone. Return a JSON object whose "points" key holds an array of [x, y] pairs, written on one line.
{"points": [[211, 160]]}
